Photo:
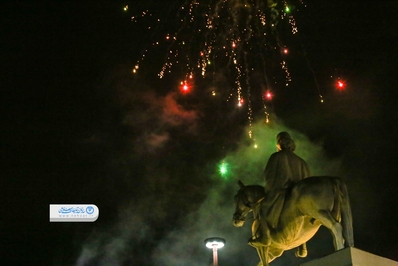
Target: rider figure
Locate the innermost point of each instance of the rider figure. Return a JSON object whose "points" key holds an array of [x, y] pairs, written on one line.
{"points": [[284, 168]]}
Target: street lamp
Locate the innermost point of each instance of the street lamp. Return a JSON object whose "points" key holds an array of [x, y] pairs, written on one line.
{"points": [[215, 243]]}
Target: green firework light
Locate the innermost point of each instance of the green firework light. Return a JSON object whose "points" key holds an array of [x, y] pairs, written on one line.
{"points": [[223, 169]]}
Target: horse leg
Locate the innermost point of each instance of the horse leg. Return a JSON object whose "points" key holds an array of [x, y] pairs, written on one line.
{"points": [[259, 252], [301, 251], [263, 255], [262, 235], [274, 253], [255, 227], [335, 227], [262, 246]]}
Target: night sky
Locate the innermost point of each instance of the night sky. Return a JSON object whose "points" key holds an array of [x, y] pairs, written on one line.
{"points": [[78, 126]]}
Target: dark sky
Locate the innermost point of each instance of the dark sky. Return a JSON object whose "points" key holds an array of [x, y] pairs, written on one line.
{"points": [[78, 127]]}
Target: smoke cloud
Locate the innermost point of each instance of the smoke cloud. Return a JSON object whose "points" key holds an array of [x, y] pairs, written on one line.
{"points": [[166, 222]]}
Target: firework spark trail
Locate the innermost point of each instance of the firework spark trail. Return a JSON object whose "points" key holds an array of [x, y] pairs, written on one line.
{"points": [[240, 37]]}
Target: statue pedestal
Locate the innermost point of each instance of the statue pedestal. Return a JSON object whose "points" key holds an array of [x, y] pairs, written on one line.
{"points": [[351, 257]]}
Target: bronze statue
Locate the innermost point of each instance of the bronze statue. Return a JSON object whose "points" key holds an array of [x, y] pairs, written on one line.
{"points": [[308, 204], [284, 168]]}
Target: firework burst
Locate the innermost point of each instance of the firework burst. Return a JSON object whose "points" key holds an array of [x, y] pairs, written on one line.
{"points": [[235, 37]]}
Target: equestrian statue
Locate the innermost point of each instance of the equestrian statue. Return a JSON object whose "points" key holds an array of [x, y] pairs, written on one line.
{"points": [[308, 204], [292, 206]]}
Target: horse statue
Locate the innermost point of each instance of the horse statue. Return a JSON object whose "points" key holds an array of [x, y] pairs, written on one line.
{"points": [[310, 203]]}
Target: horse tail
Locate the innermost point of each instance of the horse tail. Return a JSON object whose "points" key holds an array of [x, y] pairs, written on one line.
{"points": [[346, 215]]}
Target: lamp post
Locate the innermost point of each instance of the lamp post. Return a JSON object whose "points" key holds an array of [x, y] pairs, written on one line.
{"points": [[215, 243]]}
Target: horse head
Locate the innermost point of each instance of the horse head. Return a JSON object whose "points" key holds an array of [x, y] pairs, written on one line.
{"points": [[247, 198]]}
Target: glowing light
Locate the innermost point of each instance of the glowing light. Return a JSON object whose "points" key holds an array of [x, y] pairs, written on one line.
{"points": [[340, 84], [223, 169], [184, 87], [126, 8], [214, 242], [287, 9], [287, 73], [292, 22], [268, 95], [285, 51]]}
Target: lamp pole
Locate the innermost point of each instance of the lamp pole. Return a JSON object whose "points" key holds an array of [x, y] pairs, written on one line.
{"points": [[215, 243]]}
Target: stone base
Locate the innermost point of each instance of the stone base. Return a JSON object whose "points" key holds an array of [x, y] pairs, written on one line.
{"points": [[351, 257]]}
